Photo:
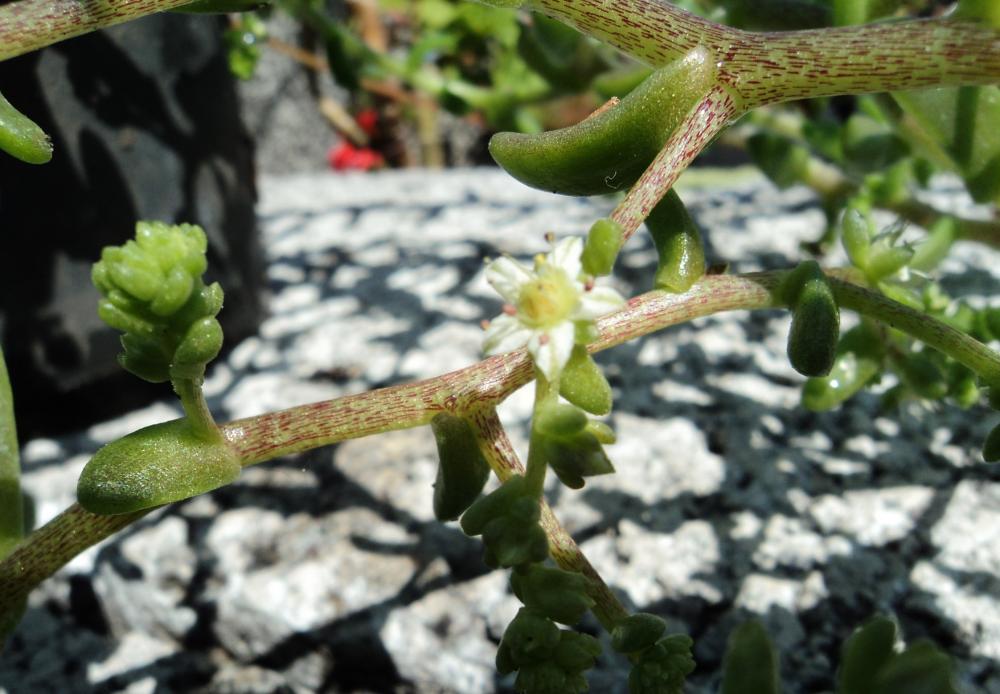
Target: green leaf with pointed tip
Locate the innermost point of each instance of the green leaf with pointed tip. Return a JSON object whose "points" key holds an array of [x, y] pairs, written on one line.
{"points": [[885, 260], [153, 466], [609, 150], [867, 650], [920, 669], [751, 664], [462, 470], [21, 137], [856, 235], [493, 505]]}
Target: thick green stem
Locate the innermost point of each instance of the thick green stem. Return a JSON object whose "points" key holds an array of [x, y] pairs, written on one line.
{"points": [[196, 409], [565, 552], [50, 547], [769, 67], [933, 333], [27, 25], [545, 392]]}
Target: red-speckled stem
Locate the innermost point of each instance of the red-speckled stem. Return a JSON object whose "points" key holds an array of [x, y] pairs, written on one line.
{"points": [[27, 25], [503, 460], [50, 547], [768, 67], [479, 386], [705, 121]]}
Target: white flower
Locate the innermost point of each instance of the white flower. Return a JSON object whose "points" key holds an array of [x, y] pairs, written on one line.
{"points": [[545, 305]]}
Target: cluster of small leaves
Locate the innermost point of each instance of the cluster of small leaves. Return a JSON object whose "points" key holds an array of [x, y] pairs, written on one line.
{"points": [[547, 659], [866, 351], [660, 663], [152, 291]]}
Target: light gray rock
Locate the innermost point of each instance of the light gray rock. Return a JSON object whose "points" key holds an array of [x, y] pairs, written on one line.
{"points": [[327, 572]]}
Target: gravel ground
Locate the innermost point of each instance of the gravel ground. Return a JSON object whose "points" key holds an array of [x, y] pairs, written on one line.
{"points": [[327, 571]]}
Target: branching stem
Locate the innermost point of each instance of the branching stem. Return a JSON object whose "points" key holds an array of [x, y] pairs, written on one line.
{"points": [[706, 120], [770, 67], [470, 390], [562, 547]]}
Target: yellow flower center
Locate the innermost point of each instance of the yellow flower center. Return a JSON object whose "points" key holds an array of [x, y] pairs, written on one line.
{"points": [[547, 300]]}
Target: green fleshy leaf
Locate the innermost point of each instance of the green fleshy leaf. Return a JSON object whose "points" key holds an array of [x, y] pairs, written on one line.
{"points": [[462, 470], [678, 245], [153, 466], [867, 650], [751, 664], [609, 150], [21, 137]]}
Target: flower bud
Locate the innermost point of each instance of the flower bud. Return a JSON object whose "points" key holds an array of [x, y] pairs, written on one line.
{"points": [[601, 249], [153, 292], [493, 505], [576, 652], [812, 340], [583, 383]]}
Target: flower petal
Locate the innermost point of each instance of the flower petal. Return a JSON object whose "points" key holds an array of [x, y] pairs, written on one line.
{"points": [[566, 256], [551, 354], [507, 276], [597, 302], [504, 334]]}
